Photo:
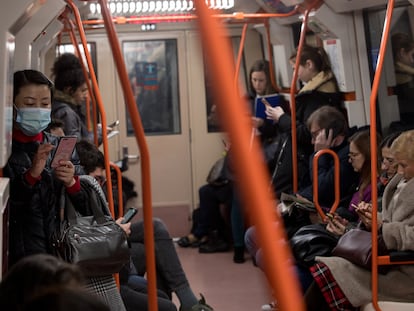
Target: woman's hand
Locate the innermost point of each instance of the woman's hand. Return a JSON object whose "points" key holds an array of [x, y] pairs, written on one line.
{"points": [[65, 172], [364, 211], [337, 225], [126, 227], [274, 113], [39, 159]]}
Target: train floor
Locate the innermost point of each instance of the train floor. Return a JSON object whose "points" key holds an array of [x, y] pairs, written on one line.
{"points": [[225, 285]]}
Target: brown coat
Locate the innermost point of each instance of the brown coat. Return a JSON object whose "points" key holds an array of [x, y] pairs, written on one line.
{"points": [[398, 233]]}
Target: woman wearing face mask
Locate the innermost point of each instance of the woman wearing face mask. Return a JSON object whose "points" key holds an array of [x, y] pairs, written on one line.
{"points": [[71, 93], [34, 187]]}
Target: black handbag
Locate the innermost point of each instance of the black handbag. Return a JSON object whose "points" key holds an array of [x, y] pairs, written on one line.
{"points": [[95, 243], [311, 241]]}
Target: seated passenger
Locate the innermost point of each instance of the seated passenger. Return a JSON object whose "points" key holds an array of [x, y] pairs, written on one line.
{"points": [[64, 299], [209, 227], [388, 165], [55, 127], [346, 218], [33, 274], [320, 89], [170, 273], [346, 286]]}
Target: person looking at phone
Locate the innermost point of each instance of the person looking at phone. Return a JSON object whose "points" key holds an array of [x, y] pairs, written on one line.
{"points": [[170, 274], [35, 188]]}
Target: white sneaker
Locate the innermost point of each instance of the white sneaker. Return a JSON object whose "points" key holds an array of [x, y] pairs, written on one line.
{"points": [[270, 306]]}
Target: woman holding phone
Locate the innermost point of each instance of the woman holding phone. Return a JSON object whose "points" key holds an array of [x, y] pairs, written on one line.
{"points": [[36, 188]]}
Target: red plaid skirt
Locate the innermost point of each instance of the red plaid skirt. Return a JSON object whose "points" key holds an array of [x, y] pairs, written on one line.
{"points": [[331, 291]]}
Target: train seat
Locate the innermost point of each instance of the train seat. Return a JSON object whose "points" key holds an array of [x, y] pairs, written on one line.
{"points": [[390, 306]]}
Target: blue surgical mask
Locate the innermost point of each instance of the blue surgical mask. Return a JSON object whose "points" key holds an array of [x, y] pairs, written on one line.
{"points": [[32, 120]]}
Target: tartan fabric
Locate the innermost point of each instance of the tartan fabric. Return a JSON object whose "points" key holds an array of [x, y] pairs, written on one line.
{"points": [[106, 290], [330, 289]]}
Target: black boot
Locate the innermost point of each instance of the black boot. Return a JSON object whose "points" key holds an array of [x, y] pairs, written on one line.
{"points": [[238, 256], [215, 244]]}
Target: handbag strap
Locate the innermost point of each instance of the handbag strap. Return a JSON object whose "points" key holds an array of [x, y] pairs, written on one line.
{"points": [[95, 203]]}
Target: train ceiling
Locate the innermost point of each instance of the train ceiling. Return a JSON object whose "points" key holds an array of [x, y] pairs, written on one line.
{"points": [[137, 8]]}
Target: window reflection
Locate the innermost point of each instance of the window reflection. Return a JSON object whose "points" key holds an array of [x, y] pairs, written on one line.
{"points": [[153, 73], [403, 52]]}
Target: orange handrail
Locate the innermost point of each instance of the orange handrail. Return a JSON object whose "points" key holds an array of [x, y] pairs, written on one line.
{"points": [[119, 183], [293, 101], [69, 24], [145, 163], [373, 144], [99, 101], [238, 16], [251, 173], [316, 177], [240, 56]]}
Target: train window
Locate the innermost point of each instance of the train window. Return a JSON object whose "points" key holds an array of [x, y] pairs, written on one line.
{"points": [[212, 122], [401, 47], [153, 72]]}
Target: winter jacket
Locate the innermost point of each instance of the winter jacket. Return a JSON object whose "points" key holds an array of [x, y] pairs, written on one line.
{"points": [[34, 209], [64, 109]]}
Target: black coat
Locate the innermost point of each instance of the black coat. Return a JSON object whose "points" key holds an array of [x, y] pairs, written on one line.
{"points": [[33, 210]]}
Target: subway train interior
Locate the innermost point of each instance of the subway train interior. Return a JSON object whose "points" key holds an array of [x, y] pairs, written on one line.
{"points": [[156, 68]]}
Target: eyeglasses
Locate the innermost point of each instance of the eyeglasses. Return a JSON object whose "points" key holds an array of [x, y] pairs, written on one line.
{"points": [[353, 155]]}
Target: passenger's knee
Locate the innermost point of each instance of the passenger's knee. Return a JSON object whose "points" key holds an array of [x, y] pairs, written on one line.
{"points": [[160, 230]]}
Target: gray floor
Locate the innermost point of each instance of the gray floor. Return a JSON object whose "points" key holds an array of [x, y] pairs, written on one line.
{"points": [[225, 285]]}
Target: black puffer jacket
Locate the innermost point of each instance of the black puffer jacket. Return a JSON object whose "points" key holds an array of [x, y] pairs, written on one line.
{"points": [[34, 210]]}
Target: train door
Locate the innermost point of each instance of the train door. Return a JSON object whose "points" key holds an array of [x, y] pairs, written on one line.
{"points": [[157, 68]]}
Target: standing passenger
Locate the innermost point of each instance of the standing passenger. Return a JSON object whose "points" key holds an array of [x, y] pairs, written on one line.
{"points": [[34, 186]]}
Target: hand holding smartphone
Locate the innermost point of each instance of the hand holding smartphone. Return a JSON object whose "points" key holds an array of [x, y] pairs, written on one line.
{"points": [[129, 215], [64, 150]]}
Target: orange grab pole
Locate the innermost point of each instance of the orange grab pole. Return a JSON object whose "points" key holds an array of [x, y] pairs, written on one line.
{"points": [[99, 102], [373, 142], [249, 164], [145, 163], [85, 73], [119, 183], [293, 102], [238, 16], [315, 181], [240, 56]]}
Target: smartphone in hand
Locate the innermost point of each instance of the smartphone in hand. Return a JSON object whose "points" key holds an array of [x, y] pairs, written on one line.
{"points": [[129, 215], [64, 150]]}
